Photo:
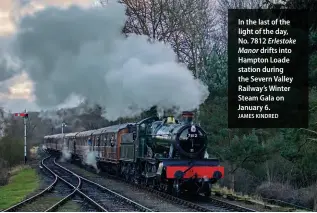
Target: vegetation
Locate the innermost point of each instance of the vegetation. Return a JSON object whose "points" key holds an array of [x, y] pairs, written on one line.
{"points": [[20, 185], [272, 163]]}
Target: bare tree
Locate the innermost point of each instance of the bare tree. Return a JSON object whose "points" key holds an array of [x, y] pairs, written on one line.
{"points": [[92, 118], [224, 5], [198, 30], [2, 122], [187, 25]]}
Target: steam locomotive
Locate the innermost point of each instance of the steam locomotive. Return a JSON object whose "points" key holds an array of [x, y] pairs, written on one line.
{"points": [[166, 154]]}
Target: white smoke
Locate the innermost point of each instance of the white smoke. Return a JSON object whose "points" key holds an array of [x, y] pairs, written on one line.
{"points": [[82, 53], [90, 158], [66, 154], [206, 155], [160, 112], [70, 116], [56, 120]]}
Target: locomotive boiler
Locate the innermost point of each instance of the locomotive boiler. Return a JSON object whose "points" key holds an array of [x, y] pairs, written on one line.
{"points": [[167, 154], [178, 139]]}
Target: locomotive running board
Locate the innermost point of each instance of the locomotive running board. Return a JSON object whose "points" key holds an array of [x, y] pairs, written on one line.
{"points": [[203, 162]]}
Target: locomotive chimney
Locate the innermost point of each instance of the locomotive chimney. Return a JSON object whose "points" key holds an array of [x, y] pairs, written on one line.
{"points": [[188, 117]]}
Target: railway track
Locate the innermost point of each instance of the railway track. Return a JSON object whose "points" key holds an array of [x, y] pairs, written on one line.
{"points": [[204, 205], [97, 196], [107, 199], [30, 203], [42, 201], [230, 207], [210, 205], [211, 202], [104, 199], [73, 182]]}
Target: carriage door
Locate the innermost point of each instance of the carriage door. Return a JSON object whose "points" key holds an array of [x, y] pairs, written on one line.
{"points": [[93, 138], [74, 146], [90, 143], [98, 145], [105, 148], [67, 142]]}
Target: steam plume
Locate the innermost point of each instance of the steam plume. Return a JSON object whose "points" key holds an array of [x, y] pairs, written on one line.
{"points": [[66, 154], [90, 158], [82, 53]]}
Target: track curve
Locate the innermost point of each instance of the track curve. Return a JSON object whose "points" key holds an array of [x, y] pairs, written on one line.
{"points": [[30, 201], [107, 198]]}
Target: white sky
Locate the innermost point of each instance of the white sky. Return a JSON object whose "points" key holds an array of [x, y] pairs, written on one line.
{"points": [[17, 94]]}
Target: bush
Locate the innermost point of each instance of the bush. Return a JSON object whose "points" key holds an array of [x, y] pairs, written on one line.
{"points": [[11, 150], [306, 196], [244, 181], [302, 197], [277, 191], [4, 172]]}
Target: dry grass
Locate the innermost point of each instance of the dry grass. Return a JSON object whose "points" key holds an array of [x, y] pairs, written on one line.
{"points": [[15, 170], [302, 197], [254, 199]]}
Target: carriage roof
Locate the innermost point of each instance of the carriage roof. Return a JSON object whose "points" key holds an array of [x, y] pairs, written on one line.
{"points": [[85, 133], [98, 131], [114, 128], [58, 136], [53, 136], [71, 134]]}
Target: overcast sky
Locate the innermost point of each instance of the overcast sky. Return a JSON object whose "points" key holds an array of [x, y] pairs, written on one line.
{"points": [[16, 93]]}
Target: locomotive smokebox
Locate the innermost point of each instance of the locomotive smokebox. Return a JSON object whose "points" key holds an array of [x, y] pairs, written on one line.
{"points": [[188, 117]]}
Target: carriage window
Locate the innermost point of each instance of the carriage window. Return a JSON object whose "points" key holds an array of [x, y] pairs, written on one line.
{"points": [[98, 141], [105, 139], [112, 140]]}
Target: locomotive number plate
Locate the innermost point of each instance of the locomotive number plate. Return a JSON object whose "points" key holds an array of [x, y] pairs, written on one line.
{"points": [[192, 135]]}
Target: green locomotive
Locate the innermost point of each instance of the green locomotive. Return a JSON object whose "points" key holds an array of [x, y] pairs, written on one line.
{"points": [[166, 154]]}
